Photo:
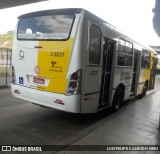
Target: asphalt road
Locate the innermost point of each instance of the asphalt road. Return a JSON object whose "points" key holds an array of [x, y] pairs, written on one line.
{"points": [[23, 123]]}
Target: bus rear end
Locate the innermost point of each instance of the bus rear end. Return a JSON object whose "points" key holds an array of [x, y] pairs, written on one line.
{"points": [[42, 52]]}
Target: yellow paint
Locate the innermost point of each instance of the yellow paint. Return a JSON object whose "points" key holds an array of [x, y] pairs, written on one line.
{"points": [[53, 61], [147, 72], [151, 58]]}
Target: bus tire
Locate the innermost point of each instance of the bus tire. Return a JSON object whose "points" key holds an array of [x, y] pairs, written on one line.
{"points": [[145, 88], [117, 99]]}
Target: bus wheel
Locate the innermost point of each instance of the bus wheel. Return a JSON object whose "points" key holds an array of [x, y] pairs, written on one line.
{"points": [[117, 99], [145, 88]]}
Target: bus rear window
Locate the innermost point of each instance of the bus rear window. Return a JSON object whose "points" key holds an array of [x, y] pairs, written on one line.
{"points": [[51, 27]]}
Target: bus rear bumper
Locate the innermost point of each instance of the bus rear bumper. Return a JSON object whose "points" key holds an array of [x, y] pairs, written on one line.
{"points": [[48, 99]]}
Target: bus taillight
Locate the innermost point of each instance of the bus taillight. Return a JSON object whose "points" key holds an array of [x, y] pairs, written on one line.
{"points": [[74, 83], [75, 76]]}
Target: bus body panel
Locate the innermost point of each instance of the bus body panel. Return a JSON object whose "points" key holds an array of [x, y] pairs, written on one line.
{"points": [[145, 75], [44, 69], [123, 76], [22, 62], [48, 99], [93, 80], [43, 65], [55, 64], [92, 73], [51, 67], [90, 103]]}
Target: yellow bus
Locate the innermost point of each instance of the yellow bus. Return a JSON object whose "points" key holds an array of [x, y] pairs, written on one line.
{"points": [[71, 60]]}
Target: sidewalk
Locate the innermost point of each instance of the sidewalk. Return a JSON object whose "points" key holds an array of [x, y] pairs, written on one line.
{"points": [[136, 124]]}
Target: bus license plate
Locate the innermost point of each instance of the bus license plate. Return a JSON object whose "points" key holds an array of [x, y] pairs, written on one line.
{"points": [[38, 80]]}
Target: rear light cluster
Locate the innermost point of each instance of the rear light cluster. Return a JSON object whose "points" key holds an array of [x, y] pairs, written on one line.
{"points": [[13, 76], [16, 91], [74, 86]]}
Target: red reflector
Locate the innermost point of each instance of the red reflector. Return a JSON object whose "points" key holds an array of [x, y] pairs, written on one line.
{"points": [[16, 91], [57, 101]]}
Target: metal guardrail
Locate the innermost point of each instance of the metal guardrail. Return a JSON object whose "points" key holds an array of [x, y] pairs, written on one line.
{"points": [[5, 66]]}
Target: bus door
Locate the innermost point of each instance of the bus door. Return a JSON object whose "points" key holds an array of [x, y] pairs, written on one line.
{"points": [[153, 73], [92, 70], [136, 71], [108, 49]]}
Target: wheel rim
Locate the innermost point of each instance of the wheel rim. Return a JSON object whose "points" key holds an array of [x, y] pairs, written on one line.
{"points": [[145, 89], [117, 106], [118, 100]]}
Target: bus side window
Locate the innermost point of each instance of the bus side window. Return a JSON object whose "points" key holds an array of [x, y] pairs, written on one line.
{"points": [[145, 61], [95, 45], [125, 53]]}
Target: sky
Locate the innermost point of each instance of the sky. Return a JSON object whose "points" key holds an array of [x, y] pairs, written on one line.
{"points": [[133, 17]]}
